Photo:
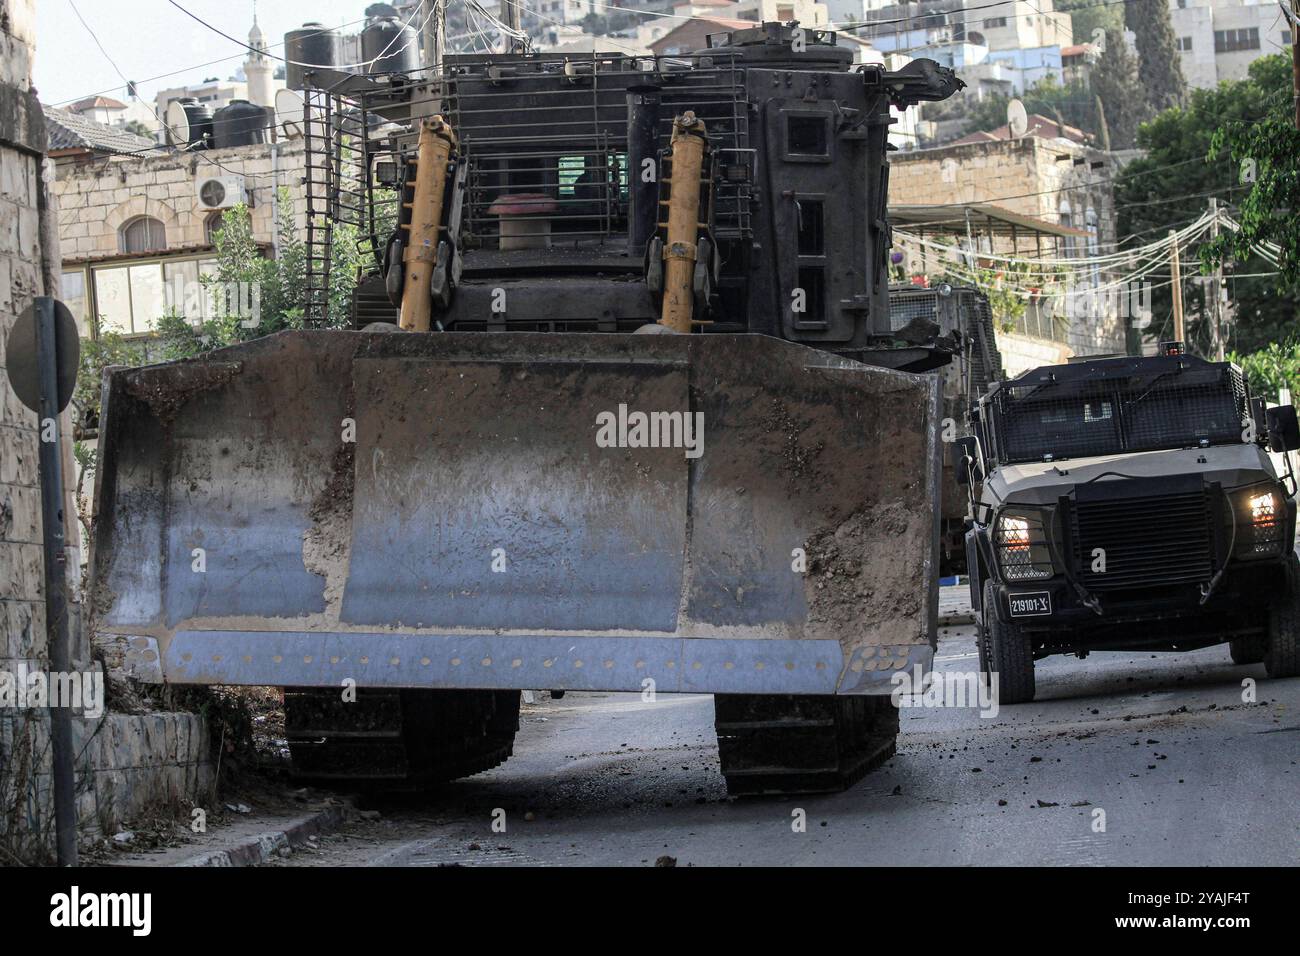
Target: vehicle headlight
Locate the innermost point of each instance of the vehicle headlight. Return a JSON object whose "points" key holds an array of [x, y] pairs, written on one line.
{"points": [[1020, 541], [1260, 533]]}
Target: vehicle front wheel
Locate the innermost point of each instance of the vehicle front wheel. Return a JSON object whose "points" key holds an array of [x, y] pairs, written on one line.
{"points": [[1281, 657], [1248, 650], [1007, 652]]}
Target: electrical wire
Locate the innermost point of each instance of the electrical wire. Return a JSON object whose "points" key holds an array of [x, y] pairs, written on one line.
{"points": [[199, 153], [196, 66], [340, 66]]}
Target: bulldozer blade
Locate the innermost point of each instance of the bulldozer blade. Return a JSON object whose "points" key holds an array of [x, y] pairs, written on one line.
{"points": [[704, 513]]}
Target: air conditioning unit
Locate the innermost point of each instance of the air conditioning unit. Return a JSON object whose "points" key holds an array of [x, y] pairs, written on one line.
{"points": [[219, 192]]}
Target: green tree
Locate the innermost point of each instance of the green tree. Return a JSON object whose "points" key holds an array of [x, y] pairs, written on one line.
{"points": [[1271, 368], [1115, 85], [135, 126], [1263, 153], [1170, 187], [1071, 104], [275, 286], [1088, 16], [1160, 67]]}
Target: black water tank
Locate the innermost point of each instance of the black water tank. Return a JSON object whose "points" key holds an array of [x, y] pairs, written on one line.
{"points": [[392, 44], [238, 123], [313, 44], [199, 118]]}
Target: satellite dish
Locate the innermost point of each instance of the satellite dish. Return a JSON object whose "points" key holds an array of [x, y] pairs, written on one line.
{"points": [[1017, 119], [178, 124], [288, 112]]}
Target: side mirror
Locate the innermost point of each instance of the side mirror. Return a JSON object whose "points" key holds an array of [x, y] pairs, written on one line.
{"points": [[965, 459], [1283, 429]]}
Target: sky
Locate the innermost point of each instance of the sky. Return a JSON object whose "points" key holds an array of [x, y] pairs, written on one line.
{"points": [[147, 38]]}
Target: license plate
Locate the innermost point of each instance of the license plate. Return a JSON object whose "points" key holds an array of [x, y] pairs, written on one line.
{"points": [[1030, 604]]}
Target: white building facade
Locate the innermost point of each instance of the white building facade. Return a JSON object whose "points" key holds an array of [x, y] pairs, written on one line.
{"points": [[1219, 39]]}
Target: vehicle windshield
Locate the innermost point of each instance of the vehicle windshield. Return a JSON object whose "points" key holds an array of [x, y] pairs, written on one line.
{"points": [[1179, 408]]}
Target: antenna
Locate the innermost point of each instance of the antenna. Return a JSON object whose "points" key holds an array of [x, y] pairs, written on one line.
{"points": [[1017, 119]]}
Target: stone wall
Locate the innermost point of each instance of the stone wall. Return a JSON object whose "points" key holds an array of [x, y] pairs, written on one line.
{"points": [[126, 764], [96, 199]]}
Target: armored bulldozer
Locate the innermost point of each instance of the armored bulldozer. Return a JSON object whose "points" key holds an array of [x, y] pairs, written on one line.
{"points": [[498, 480], [962, 313]]}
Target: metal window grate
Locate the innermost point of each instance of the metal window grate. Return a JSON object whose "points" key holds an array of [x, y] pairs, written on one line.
{"points": [[1186, 408], [908, 304], [556, 128]]}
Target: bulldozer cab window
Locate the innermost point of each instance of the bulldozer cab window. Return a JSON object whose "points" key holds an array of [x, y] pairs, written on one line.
{"points": [[811, 218], [807, 136], [572, 169]]}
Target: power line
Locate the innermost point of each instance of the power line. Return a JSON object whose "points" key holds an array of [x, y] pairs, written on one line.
{"points": [[342, 66], [113, 64], [196, 66]]}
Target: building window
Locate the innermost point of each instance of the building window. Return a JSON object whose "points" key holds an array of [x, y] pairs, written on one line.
{"points": [[1230, 41], [142, 234], [74, 297], [130, 298], [1286, 37], [994, 23], [212, 226], [1184, 44]]}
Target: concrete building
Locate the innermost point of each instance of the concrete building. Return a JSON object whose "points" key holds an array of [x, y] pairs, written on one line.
{"points": [[212, 93], [1077, 62], [1045, 178], [1219, 39], [1015, 25], [809, 13], [131, 227], [543, 16]]}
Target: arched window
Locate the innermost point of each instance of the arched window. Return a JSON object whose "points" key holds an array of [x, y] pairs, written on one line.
{"points": [[142, 234], [212, 226]]}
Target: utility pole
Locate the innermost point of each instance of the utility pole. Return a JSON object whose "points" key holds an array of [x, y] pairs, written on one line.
{"points": [[435, 33], [1177, 288], [511, 18], [1216, 304], [1295, 58]]}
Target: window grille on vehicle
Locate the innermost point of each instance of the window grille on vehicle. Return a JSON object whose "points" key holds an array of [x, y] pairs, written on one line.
{"points": [[1187, 407]]}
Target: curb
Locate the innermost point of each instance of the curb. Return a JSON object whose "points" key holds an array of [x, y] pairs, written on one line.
{"points": [[954, 618], [258, 849]]}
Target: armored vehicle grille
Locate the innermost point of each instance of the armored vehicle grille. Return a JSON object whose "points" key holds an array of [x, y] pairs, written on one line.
{"points": [[908, 304], [1146, 541]]}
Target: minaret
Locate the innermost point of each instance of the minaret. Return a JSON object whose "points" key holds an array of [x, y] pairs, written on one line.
{"points": [[258, 68]]}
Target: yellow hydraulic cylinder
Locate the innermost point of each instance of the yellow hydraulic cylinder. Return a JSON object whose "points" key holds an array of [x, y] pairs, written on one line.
{"points": [[688, 144], [433, 154]]}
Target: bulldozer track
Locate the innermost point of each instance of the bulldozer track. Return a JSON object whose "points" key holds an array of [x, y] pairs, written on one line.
{"points": [[783, 743], [398, 739]]}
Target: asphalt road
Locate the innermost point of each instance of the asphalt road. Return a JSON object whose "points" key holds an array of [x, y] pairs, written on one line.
{"points": [[1184, 771]]}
